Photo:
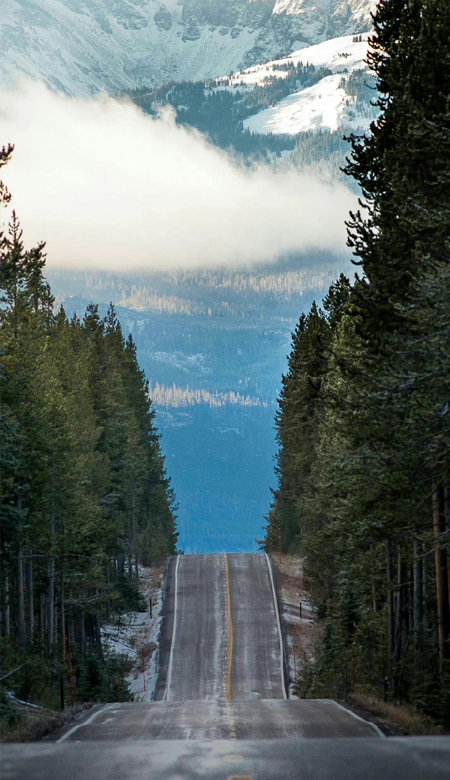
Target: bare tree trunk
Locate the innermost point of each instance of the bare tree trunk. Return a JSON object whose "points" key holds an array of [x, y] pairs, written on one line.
{"points": [[83, 635], [51, 574], [447, 531], [391, 631], [399, 618], [51, 604], [42, 616], [442, 595], [20, 598], [7, 607], [374, 587], [30, 590], [55, 620], [136, 568], [20, 588], [418, 591], [398, 627], [63, 616], [108, 602]]}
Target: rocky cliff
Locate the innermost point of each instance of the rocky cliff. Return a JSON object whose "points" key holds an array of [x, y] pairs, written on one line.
{"points": [[85, 46]]}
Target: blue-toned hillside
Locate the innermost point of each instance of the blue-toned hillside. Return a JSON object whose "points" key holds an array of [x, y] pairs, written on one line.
{"points": [[213, 346]]}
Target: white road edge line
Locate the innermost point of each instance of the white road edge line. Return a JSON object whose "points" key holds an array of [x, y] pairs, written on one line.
{"points": [[169, 670], [86, 722], [358, 717], [283, 687]]}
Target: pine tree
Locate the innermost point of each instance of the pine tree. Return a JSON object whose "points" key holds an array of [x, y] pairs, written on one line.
{"points": [[84, 495]]}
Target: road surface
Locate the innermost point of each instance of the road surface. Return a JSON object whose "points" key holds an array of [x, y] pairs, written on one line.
{"points": [[226, 642], [421, 758], [220, 708]]}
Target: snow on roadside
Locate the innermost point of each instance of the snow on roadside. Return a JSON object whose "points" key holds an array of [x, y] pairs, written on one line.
{"points": [[136, 636], [301, 631]]}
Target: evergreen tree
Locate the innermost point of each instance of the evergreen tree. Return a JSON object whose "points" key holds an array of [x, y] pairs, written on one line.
{"points": [[84, 495], [375, 487]]}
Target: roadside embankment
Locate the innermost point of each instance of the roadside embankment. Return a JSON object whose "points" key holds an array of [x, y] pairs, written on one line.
{"points": [[297, 613], [135, 635]]}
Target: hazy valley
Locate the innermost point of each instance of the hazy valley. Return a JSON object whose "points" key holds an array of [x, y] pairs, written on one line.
{"points": [[213, 345]]}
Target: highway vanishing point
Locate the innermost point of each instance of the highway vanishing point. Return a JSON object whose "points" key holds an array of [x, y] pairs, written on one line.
{"points": [[221, 707]]}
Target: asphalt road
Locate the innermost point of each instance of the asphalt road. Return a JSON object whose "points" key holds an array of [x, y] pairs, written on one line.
{"points": [[256, 667], [221, 708], [422, 758], [195, 605], [217, 720], [217, 652]]}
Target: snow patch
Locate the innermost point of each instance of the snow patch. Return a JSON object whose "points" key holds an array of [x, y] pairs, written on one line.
{"points": [[138, 633]]}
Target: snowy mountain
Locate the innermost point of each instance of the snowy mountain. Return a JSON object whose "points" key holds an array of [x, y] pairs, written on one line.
{"points": [[85, 46], [342, 98]]}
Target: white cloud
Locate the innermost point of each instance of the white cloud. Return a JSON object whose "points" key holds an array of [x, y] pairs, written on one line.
{"points": [[110, 188]]}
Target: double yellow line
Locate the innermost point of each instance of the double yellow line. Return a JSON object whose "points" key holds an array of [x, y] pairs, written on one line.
{"points": [[229, 629]]}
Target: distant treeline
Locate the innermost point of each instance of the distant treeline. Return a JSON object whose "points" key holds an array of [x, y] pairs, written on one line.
{"points": [[364, 414], [84, 494], [205, 288], [178, 397]]}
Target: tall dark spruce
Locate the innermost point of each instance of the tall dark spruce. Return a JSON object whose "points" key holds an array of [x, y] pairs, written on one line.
{"points": [[371, 501], [85, 498]]}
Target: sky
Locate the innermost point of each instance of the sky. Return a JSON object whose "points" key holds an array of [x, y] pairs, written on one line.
{"points": [[109, 188]]}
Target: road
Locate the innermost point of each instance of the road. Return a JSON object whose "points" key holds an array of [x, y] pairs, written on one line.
{"points": [[220, 706], [219, 652]]}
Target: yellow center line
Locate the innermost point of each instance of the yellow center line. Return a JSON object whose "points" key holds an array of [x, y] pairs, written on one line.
{"points": [[229, 630]]}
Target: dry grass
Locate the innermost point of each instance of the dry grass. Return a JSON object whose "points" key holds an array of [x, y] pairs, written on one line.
{"points": [[33, 725], [400, 718]]}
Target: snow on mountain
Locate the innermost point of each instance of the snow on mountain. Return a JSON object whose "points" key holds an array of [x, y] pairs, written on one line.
{"points": [[85, 46], [339, 55], [331, 103]]}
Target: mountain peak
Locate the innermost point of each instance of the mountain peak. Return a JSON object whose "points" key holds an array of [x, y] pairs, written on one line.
{"points": [[82, 47]]}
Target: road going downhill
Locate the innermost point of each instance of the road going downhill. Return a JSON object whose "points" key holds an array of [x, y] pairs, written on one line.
{"points": [[220, 708]]}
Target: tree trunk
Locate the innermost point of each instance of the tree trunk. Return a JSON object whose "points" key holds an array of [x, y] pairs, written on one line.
{"points": [[108, 602], [399, 617], [51, 574], [30, 590], [7, 608], [442, 595], [135, 551], [398, 627], [447, 531], [63, 616], [20, 598], [51, 604], [42, 616], [83, 635], [418, 591], [20, 588], [391, 630]]}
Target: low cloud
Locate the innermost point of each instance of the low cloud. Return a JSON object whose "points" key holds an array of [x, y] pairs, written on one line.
{"points": [[109, 188]]}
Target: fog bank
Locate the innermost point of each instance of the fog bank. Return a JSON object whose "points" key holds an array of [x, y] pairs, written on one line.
{"points": [[109, 188]]}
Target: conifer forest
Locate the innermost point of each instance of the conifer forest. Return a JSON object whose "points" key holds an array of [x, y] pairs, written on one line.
{"points": [[363, 424], [362, 469], [85, 496]]}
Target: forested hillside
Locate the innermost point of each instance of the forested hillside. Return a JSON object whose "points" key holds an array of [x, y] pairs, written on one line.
{"points": [[219, 111], [85, 497], [364, 418]]}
